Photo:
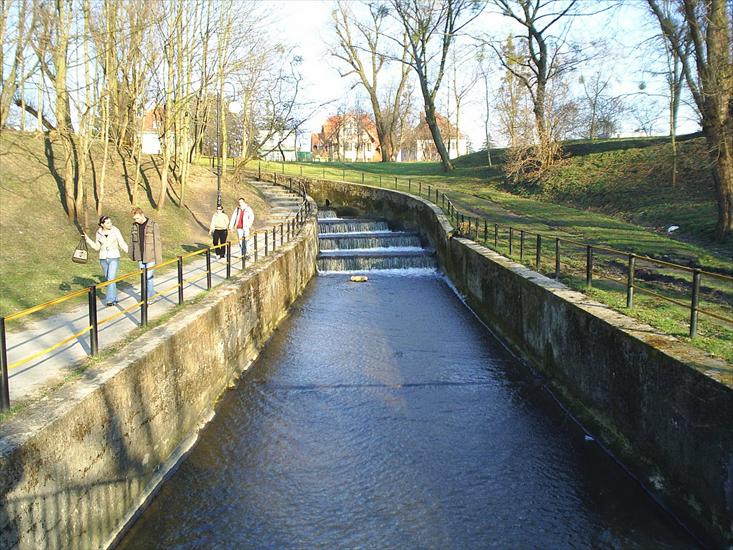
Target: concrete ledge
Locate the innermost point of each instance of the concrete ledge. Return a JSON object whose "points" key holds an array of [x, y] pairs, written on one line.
{"points": [[76, 467], [663, 408]]}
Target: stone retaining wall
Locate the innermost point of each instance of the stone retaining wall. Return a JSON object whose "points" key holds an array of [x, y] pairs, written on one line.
{"points": [[77, 466], [664, 408]]}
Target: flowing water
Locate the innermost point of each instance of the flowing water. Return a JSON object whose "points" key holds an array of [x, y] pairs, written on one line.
{"points": [[384, 415]]}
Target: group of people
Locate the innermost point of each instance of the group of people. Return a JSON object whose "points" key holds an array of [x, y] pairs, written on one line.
{"points": [[146, 247], [242, 219]]}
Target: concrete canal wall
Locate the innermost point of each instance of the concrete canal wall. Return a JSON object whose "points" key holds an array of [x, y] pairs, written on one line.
{"points": [[663, 408], [77, 465]]}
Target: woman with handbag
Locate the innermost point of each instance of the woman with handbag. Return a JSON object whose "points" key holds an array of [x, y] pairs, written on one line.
{"points": [[108, 240]]}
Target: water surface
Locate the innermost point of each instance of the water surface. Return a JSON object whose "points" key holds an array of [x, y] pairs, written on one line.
{"points": [[383, 415]]}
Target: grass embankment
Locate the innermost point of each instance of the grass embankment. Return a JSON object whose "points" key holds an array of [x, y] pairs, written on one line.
{"points": [[37, 239], [619, 199]]}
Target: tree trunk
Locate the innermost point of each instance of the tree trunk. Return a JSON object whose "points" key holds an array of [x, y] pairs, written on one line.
{"points": [[721, 154]]}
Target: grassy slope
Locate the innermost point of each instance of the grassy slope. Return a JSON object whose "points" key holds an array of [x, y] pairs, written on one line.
{"points": [[613, 193], [36, 238]]}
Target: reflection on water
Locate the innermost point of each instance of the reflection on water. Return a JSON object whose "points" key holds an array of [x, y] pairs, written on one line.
{"points": [[383, 415]]}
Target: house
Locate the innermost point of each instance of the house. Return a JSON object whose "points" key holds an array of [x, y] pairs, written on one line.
{"points": [[349, 137], [150, 132], [421, 147], [278, 147]]}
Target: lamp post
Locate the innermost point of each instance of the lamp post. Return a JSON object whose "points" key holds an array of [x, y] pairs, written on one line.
{"points": [[234, 107]]}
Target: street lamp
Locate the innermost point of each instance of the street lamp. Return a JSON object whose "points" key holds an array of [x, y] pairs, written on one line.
{"points": [[234, 107]]}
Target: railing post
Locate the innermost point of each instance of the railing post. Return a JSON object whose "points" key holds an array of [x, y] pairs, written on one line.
{"points": [[557, 258], [589, 266], [696, 276], [254, 240], [362, 178], [429, 197], [442, 198], [243, 250], [521, 245], [290, 184], [4, 382], [324, 172], [266, 244], [229, 259], [409, 185], [380, 180], [301, 170], [511, 240], [419, 188], [486, 231], [144, 297], [94, 331], [469, 226], [274, 238], [538, 253], [179, 268], [208, 268], [630, 282], [496, 236], [477, 229], [281, 234], [259, 171], [343, 174]]}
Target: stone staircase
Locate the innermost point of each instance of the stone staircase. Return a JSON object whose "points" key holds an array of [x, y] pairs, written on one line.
{"points": [[353, 244]]}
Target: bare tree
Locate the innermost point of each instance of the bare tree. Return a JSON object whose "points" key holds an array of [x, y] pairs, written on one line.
{"points": [[359, 48], [425, 23], [600, 109], [708, 70], [18, 35], [549, 56]]}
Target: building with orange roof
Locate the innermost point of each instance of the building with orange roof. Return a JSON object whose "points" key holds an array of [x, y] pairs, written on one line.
{"points": [[350, 137]]}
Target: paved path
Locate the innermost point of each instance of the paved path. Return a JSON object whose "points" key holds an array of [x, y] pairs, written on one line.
{"points": [[30, 378]]}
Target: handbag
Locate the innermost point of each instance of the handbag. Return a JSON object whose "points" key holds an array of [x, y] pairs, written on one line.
{"points": [[81, 254]]}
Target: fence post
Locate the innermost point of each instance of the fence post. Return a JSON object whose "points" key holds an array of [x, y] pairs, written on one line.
{"points": [[443, 201], [4, 385], [419, 187], [94, 331], [343, 174], [521, 245], [362, 178], [511, 240], [538, 253], [696, 276], [496, 236], [208, 268], [179, 268], [630, 282], [486, 231], [229, 258], [274, 237], [281, 234], [243, 250], [589, 266], [259, 171], [144, 297], [266, 237], [409, 185], [254, 240], [477, 229], [469, 226], [557, 258], [301, 170]]}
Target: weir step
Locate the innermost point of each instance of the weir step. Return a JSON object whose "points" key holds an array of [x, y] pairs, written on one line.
{"points": [[380, 240], [369, 260], [351, 225]]}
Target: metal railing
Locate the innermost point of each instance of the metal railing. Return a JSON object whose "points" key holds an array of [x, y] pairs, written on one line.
{"points": [[529, 248], [248, 250]]}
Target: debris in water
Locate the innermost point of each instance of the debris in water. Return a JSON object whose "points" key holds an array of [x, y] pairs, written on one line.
{"points": [[359, 278], [588, 437]]}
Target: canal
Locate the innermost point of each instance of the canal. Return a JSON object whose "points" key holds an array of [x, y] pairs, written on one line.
{"points": [[384, 415]]}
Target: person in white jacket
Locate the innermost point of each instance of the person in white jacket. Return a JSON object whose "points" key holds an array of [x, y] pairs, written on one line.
{"points": [[108, 241], [242, 219]]}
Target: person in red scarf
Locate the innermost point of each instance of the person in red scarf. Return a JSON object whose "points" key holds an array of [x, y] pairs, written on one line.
{"points": [[242, 219]]}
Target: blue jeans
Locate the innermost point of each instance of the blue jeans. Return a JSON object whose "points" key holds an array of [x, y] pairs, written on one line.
{"points": [[109, 269], [151, 285]]}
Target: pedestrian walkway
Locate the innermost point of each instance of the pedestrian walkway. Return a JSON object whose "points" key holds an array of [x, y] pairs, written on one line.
{"points": [[29, 379]]}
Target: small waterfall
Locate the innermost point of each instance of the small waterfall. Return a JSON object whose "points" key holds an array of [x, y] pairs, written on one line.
{"points": [[351, 226], [382, 240], [364, 244]]}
